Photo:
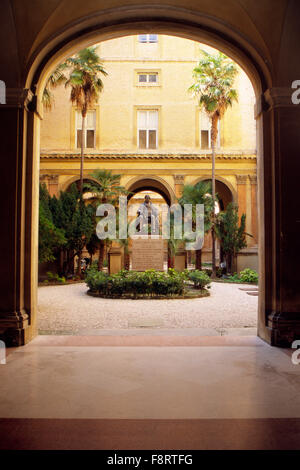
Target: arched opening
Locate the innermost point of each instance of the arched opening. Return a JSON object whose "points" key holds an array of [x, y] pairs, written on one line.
{"points": [[224, 191], [47, 60], [75, 180], [151, 184]]}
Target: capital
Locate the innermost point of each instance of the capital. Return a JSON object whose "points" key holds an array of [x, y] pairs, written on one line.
{"points": [[279, 97], [178, 179], [18, 97], [241, 179], [253, 179]]}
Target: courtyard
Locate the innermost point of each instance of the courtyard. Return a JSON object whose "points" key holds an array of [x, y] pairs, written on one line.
{"points": [[69, 310]]}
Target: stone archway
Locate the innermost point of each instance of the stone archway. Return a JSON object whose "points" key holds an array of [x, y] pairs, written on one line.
{"points": [[75, 179], [121, 22], [224, 189], [151, 183]]}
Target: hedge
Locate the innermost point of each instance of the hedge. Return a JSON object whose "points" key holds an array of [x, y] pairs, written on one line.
{"points": [[149, 283]]}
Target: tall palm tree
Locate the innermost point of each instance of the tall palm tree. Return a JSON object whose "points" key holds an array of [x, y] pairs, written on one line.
{"points": [[86, 86], [214, 79], [105, 189], [56, 78], [198, 194]]}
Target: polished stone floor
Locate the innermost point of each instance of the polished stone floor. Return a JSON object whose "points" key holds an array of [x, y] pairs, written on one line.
{"points": [[149, 391]]}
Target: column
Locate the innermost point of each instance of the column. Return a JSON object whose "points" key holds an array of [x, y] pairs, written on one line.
{"points": [[281, 169], [18, 195], [253, 230], [53, 185]]}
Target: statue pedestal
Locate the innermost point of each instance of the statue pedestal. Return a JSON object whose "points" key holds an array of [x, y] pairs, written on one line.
{"points": [[147, 253]]}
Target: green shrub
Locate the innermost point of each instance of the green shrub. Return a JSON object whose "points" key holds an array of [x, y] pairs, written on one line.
{"points": [[208, 271], [135, 284], [200, 279], [53, 277], [234, 278], [249, 275]]}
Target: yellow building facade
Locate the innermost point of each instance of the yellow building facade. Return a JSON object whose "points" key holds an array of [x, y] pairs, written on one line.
{"points": [[149, 129]]}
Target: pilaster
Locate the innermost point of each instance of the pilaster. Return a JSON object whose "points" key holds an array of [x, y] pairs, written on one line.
{"points": [[16, 261], [241, 181], [179, 183], [281, 119], [253, 230]]}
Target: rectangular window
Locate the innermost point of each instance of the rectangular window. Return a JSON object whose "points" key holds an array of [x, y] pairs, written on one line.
{"points": [[90, 129], [147, 38], [205, 139], [147, 129], [205, 131], [150, 78]]}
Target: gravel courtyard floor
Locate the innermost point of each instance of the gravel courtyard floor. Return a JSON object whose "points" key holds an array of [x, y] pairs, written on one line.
{"points": [[69, 310]]}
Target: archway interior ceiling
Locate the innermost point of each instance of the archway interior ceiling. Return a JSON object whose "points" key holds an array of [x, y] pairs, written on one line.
{"points": [[150, 185], [268, 30], [44, 22], [246, 46]]}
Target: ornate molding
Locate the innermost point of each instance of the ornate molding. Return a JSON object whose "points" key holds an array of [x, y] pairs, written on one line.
{"points": [[284, 328], [19, 97], [253, 179], [279, 97], [51, 178], [144, 156], [23, 98], [179, 179], [241, 179], [13, 326]]}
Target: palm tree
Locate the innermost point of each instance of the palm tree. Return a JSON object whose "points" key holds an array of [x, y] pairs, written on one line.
{"points": [[86, 85], [173, 246], [198, 194], [56, 78], [105, 189], [214, 78]]}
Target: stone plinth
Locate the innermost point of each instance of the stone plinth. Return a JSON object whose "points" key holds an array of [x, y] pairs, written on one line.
{"points": [[180, 261], [114, 261], [147, 253]]}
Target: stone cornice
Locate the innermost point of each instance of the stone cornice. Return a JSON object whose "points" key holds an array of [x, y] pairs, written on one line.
{"points": [[278, 97], [44, 177], [23, 98], [145, 156], [18, 97]]}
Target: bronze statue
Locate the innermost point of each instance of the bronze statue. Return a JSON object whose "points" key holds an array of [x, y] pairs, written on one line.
{"points": [[149, 216]]}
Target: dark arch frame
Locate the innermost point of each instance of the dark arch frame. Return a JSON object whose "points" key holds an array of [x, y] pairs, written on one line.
{"points": [[125, 21]]}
